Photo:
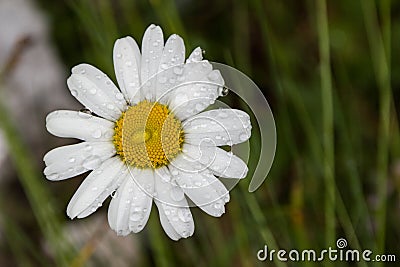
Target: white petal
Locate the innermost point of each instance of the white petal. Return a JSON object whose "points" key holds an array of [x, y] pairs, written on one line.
{"points": [[115, 184], [196, 55], [218, 127], [96, 91], [74, 124], [175, 215], [168, 228], [127, 68], [171, 66], [152, 47], [68, 161], [130, 209], [118, 219], [221, 162], [199, 89], [95, 184], [200, 185]]}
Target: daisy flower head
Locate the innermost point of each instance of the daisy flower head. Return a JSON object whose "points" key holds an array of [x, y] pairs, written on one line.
{"points": [[150, 138]]}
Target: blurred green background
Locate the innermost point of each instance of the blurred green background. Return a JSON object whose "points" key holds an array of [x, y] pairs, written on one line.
{"points": [[331, 73]]}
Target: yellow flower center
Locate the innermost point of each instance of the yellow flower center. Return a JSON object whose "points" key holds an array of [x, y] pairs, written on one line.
{"points": [[148, 135]]}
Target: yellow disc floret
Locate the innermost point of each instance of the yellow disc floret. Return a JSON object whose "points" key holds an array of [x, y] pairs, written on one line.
{"points": [[148, 135]]}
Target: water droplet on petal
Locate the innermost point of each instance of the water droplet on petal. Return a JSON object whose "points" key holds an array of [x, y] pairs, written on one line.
{"points": [[162, 79], [243, 137], [98, 77], [223, 91], [74, 93], [119, 96], [135, 216], [85, 113], [92, 162], [199, 107], [184, 215], [217, 205], [223, 114], [178, 70], [128, 63], [119, 55], [71, 160], [93, 91], [213, 76], [53, 176], [177, 193], [96, 133], [94, 188]]}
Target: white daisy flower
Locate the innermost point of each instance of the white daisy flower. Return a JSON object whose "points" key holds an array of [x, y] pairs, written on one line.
{"points": [[150, 139]]}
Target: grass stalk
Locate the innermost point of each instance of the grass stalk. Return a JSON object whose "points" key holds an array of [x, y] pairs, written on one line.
{"points": [[382, 73], [327, 121]]}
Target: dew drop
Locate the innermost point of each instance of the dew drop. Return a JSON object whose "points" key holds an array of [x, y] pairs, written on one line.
{"points": [[198, 183], [162, 79], [223, 91], [119, 96], [135, 216], [217, 205], [223, 114], [110, 106], [83, 71], [94, 188], [53, 176], [177, 194], [199, 107], [213, 76], [93, 91], [71, 160], [178, 70], [96, 133], [85, 113], [243, 137], [119, 55], [92, 162], [74, 93], [184, 215], [128, 63], [218, 137], [98, 77]]}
